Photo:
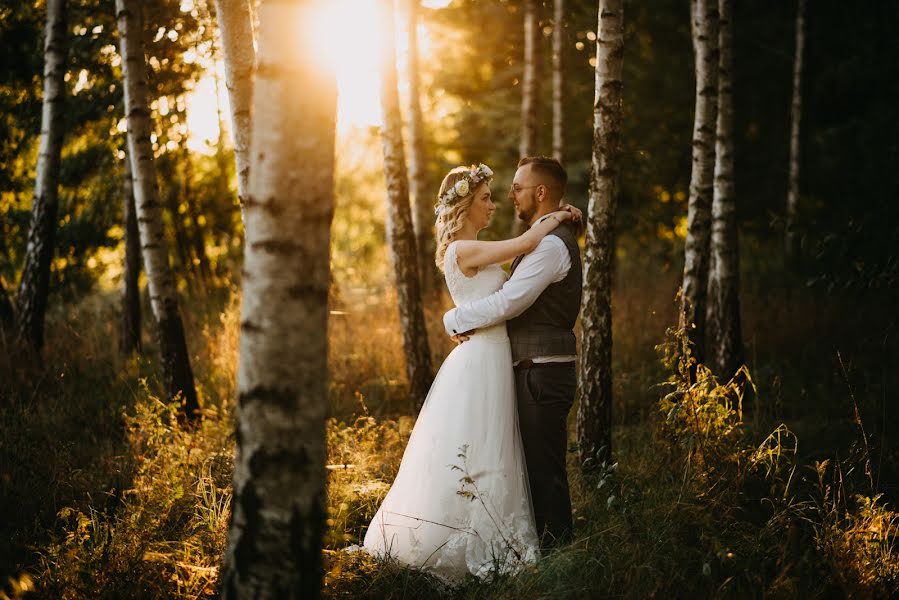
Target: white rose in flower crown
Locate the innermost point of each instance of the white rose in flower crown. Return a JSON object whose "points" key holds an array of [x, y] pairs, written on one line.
{"points": [[462, 188]]}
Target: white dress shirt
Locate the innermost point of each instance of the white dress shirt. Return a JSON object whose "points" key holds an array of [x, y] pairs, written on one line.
{"points": [[548, 263]]}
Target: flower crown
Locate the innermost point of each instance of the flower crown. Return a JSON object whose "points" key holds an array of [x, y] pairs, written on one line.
{"points": [[463, 187]]}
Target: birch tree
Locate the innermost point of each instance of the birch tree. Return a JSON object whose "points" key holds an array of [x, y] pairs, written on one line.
{"points": [[792, 239], [236, 27], [34, 287], [529, 83], [399, 223], [423, 199], [558, 81], [704, 14], [176, 370], [724, 295], [274, 541], [594, 416], [130, 333]]}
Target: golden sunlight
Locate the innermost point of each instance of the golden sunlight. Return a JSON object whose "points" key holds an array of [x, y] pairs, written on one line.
{"points": [[203, 111], [344, 34]]}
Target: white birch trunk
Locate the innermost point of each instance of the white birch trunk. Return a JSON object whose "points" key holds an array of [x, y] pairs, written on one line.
{"points": [[558, 81], [529, 82], [34, 287], [236, 27], [399, 223], [594, 416], [792, 238], [704, 14], [130, 334], [530, 88], [724, 299], [274, 542], [176, 370], [422, 198]]}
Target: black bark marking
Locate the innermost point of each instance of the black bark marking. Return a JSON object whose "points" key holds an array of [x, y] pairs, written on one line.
{"points": [[306, 533], [282, 398], [245, 551], [278, 246], [302, 290], [298, 458]]}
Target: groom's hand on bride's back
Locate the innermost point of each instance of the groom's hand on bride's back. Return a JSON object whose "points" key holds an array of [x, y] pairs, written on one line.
{"points": [[462, 337]]}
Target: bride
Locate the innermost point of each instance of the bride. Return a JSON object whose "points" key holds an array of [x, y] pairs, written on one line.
{"points": [[460, 503]]}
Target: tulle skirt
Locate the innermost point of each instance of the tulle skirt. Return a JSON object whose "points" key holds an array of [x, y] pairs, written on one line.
{"points": [[460, 503]]}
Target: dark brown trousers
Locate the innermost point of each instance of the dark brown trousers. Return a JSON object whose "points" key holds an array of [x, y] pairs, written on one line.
{"points": [[545, 395]]}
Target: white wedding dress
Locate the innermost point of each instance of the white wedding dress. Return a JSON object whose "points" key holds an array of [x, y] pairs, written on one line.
{"points": [[460, 503]]}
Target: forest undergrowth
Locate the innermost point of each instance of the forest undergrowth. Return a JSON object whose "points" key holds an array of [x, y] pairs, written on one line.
{"points": [[715, 490]]}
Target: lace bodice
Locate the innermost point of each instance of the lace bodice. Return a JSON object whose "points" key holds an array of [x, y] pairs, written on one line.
{"points": [[468, 289]]}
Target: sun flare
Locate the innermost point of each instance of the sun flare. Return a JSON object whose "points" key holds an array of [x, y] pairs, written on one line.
{"points": [[343, 34], [346, 35]]}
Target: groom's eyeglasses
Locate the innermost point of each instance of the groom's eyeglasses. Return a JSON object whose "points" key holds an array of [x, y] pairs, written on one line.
{"points": [[517, 188]]}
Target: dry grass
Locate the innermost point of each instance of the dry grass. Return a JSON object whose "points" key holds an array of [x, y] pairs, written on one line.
{"points": [[105, 496]]}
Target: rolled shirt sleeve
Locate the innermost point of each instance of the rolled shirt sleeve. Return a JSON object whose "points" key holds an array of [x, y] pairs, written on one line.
{"points": [[548, 263]]}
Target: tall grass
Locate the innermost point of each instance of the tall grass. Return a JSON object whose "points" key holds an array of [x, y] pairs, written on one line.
{"points": [[104, 495]]}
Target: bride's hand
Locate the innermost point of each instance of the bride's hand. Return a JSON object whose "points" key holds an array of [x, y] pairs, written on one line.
{"points": [[576, 214]]}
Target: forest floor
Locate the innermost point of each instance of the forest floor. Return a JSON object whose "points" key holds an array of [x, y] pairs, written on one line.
{"points": [[103, 495]]}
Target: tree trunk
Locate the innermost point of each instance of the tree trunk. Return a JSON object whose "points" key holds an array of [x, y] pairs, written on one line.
{"points": [[130, 334], [529, 83], [558, 81], [704, 15], [7, 314], [176, 371], [423, 200], [274, 542], [530, 89], [792, 238], [724, 295], [236, 27], [34, 287], [399, 223], [594, 415]]}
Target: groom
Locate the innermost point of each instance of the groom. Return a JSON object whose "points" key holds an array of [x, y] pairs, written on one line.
{"points": [[540, 303]]}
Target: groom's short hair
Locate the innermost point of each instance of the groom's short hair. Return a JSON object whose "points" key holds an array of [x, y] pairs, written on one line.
{"points": [[550, 168]]}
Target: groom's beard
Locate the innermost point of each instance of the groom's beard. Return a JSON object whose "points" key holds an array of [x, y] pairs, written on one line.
{"points": [[525, 215]]}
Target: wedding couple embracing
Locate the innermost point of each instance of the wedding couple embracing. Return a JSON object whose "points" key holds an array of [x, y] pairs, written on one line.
{"points": [[482, 486]]}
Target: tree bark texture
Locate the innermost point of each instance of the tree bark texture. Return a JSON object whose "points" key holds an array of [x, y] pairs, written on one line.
{"points": [[176, 370], [558, 81], [704, 14], [236, 26], [275, 538], [792, 238], [594, 415], [422, 199], [399, 223], [130, 334], [34, 287], [724, 291], [529, 82]]}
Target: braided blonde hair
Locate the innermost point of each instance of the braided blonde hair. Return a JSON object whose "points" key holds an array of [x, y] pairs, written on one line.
{"points": [[451, 217]]}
